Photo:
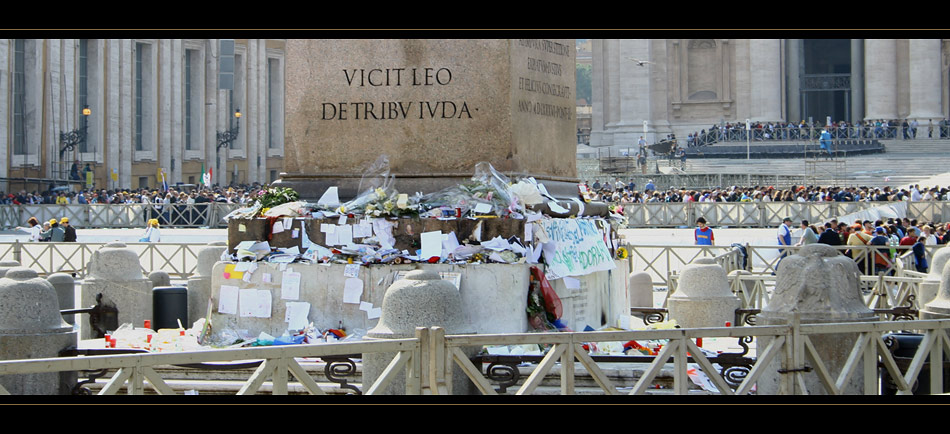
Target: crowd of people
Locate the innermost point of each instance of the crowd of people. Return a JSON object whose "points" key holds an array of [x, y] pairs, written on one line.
{"points": [[60, 196], [620, 192], [906, 129]]}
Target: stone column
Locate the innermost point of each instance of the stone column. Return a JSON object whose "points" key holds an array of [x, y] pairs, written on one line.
{"points": [[211, 106], [126, 113], [765, 56], [5, 80], [880, 60], [793, 58], [260, 161], [112, 112], [177, 110], [598, 93], [114, 271], [253, 111], [421, 299], [635, 93], [641, 289], [31, 328], [702, 297], [164, 154], [817, 285], [925, 80], [857, 80]]}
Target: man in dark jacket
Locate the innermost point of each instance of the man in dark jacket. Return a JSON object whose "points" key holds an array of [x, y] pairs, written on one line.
{"points": [[70, 232], [829, 236]]}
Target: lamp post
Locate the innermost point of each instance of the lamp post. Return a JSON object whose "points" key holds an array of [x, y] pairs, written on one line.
{"points": [[225, 138], [69, 140]]}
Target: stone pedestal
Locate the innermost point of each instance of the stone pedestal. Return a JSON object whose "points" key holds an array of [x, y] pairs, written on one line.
{"points": [[8, 265], [818, 285], [436, 108], [641, 289], [702, 297], [929, 288], [939, 307], [32, 328], [159, 278], [421, 299], [114, 272], [65, 287], [199, 284]]}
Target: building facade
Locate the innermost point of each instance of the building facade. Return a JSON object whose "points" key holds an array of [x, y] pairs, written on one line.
{"points": [[155, 106], [656, 87]]}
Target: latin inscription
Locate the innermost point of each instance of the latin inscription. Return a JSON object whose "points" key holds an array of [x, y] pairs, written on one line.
{"points": [[545, 88], [388, 110]]}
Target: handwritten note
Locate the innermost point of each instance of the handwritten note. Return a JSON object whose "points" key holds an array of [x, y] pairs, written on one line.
{"points": [[352, 290], [228, 299], [290, 286], [576, 247]]}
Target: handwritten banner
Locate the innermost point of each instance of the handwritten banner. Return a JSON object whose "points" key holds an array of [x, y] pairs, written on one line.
{"points": [[575, 248]]}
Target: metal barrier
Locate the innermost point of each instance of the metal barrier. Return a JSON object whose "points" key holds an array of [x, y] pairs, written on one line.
{"points": [[134, 370], [121, 215], [179, 260], [738, 133], [429, 358], [763, 214]]}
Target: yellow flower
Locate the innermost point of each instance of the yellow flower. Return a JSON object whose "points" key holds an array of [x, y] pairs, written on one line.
{"points": [[380, 193]]}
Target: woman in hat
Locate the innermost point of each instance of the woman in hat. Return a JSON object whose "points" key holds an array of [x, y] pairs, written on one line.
{"points": [[55, 233], [35, 229], [152, 234]]}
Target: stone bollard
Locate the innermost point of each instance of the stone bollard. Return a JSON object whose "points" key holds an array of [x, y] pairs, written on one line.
{"points": [[421, 299], [32, 328], [159, 278], [703, 297], [199, 284], [114, 272], [817, 285], [65, 287], [939, 307], [8, 265], [931, 284], [641, 289]]}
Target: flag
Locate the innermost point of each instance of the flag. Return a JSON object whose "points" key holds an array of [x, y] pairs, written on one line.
{"points": [[164, 184], [115, 175], [203, 174]]}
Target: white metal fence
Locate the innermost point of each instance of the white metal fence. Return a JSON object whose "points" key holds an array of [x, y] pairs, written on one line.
{"points": [[764, 214], [121, 215], [430, 357], [179, 260]]}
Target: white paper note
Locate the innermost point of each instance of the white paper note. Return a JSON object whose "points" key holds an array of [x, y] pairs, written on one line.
{"points": [[384, 233], [254, 303], [431, 244], [557, 208], [345, 233], [366, 306], [450, 242], [267, 278], [374, 313], [330, 198], [352, 290], [572, 283], [228, 299], [483, 208], [278, 227], [342, 219], [351, 270], [290, 286], [296, 315]]}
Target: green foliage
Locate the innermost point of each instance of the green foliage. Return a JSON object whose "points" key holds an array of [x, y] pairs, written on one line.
{"points": [[583, 82], [273, 196]]}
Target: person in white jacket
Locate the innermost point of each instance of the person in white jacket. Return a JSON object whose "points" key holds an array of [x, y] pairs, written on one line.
{"points": [[152, 234]]}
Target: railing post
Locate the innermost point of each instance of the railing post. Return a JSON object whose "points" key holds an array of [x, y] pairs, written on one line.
{"points": [[567, 368], [416, 371]]}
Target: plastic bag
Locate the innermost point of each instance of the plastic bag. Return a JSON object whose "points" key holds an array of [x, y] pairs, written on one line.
{"points": [[377, 176], [552, 303]]}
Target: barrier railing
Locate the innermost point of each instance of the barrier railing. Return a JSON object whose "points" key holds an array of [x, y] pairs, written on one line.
{"points": [[738, 133], [132, 371], [179, 260], [660, 261], [430, 357], [764, 214], [121, 215]]}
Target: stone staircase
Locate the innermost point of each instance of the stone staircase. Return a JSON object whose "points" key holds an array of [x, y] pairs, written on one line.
{"points": [[919, 161]]}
